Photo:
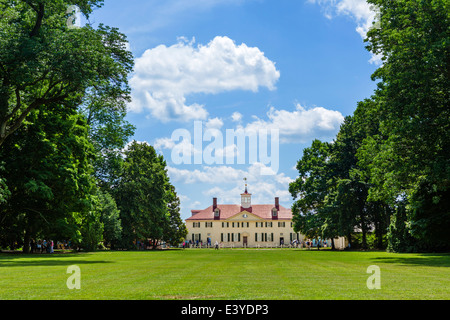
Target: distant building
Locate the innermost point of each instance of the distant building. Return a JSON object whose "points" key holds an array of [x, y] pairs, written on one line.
{"points": [[244, 225]]}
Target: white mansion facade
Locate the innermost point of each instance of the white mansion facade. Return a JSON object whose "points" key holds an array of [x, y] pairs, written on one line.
{"points": [[244, 225]]}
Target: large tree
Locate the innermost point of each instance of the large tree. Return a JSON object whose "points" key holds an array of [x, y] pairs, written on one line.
{"points": [[141, 195], [49, 174], [310, 190], [409, 158], [43, 61]]}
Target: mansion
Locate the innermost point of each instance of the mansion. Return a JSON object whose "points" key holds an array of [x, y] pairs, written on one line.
{"points": [[244, 225]]}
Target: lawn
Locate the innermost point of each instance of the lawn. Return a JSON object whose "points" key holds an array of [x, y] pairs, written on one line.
{"points": [[226, 274]]}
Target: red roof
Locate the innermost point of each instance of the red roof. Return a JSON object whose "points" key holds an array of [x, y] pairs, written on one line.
{"points": [[264, 211]]}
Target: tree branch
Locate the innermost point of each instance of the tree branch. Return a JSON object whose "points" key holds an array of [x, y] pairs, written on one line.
{"points": [[39, 18]]}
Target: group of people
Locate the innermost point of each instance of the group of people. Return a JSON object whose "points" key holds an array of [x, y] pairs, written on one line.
{"points": [[199, 244], [309, 243], [41, 246], [47, 246]]}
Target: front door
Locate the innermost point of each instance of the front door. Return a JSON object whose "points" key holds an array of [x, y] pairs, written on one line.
{"points": [[244, 238], [281, 240]]}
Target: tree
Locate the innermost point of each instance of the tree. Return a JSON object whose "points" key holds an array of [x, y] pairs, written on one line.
{"points": [[110, 218], [409, 157], [311, 189], [141, 195], [175, 231], [44, 62], [51, 183]]}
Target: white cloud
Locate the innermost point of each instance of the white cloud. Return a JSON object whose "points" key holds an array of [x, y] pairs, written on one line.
{"points": [[214, 123], [164, 143], [164, 76], [301, 124], [236, 116], [363, 13], [226, 182]]}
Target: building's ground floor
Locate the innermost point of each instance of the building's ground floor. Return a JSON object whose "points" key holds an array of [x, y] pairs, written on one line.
{"points": [[275, 235], [245, 239]]}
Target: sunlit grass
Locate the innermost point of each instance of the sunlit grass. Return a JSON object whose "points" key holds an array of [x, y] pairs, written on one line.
{"points": [[225, 274]]}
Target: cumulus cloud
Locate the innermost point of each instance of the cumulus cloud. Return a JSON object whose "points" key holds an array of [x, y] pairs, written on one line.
{"points": [[236, 116], [301, 124], [227, 182], [214, 123], [164, 76]]}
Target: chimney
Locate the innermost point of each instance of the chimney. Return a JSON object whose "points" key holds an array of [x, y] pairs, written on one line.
{"points": [[277, 203], [216, 211]]}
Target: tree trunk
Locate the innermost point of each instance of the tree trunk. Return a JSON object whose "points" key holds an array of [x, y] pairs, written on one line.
{"points": [[26, 242]]}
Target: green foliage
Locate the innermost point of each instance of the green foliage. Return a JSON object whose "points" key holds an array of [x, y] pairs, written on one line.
{"points": [[109, 217], [408, 159], [92, 231], [399, 237], [140, 194], [388, 168], [310, 189], [175, 230], [149, 206], [4, 192], [44, 62], [49, 175]]}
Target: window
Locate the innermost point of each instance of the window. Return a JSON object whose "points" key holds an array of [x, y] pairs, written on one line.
{"points": [[216, 212], [274, 212], [208, 224], [259, 224], [282, 224], [196, 225], [293, 236], [269, 224]]}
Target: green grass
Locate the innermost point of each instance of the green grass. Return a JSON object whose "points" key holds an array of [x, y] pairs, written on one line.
{"points": [[226, 274]]}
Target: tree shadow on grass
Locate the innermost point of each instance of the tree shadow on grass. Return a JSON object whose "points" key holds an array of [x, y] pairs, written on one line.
{"points": [[33, 260], [419, 259]]}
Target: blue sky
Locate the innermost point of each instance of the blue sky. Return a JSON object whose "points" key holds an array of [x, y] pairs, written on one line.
{"points": [[296, 66]]}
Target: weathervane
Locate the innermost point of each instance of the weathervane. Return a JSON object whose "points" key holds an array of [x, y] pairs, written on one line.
{"points": [[245, 179]]}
